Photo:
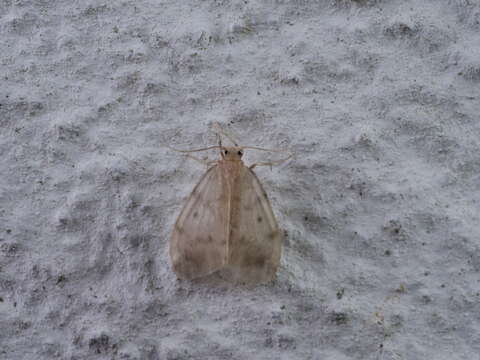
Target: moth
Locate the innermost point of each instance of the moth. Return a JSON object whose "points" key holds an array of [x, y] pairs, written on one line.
{"points": [[227, 224]]}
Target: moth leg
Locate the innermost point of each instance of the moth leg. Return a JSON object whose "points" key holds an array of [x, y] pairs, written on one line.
{"points": [[201, 161], [271, 163]]}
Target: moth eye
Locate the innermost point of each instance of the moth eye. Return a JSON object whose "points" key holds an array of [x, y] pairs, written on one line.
{"points": [[225, 152], [240, 153]]}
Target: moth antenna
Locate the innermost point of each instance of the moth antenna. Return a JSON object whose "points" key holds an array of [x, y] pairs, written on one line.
{"points": [[270, 163], [195, 150], [219, 131], [270, 150], [291, 153]]}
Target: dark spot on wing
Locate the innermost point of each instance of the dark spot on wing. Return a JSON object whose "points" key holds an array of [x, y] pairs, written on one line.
{"points": [[272, 235], [256, 260], [187, 256], [259, 219], [260, 260], [191, 257], [195, 214], [210, 239], [191, 262]]}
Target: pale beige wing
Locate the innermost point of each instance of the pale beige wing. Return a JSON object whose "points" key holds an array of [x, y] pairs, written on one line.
{"points": [[255, 240], [199, 240]]}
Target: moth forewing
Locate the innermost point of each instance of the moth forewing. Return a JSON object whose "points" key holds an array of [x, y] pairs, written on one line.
{"points": [[198, 245], [255, 240]]}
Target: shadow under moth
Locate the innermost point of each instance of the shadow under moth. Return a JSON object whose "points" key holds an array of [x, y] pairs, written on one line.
{"points": [[227, 223]]}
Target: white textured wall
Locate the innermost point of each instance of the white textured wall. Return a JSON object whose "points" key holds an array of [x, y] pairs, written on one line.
{"points": [[379, 99]]}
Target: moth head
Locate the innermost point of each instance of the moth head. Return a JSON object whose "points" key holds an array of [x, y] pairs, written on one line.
{"points": [[232, 153]]}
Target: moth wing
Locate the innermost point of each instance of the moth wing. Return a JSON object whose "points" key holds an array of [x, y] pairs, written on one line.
{"points": [[199, 240], [255, 239]]}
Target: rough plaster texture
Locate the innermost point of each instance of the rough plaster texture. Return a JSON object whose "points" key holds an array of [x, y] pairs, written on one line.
{"points": [[379, 99]]}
